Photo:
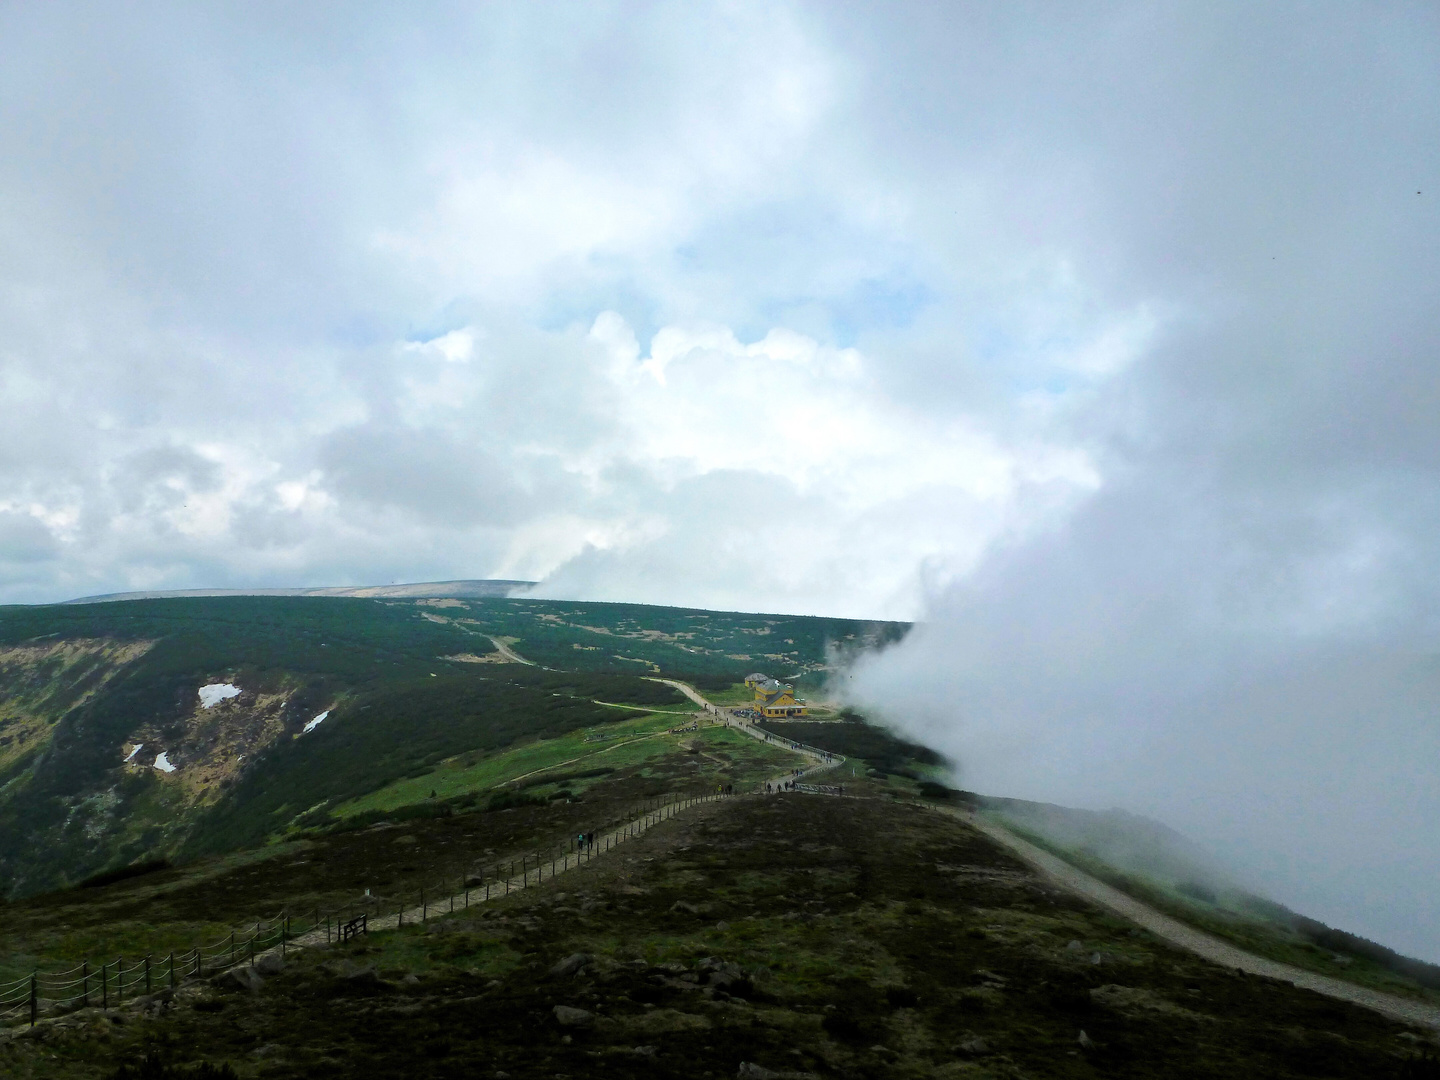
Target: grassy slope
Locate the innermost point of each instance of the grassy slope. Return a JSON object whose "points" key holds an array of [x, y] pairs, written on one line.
{"points": [[541, 765], [645, 639], [868, 939], [396, 706], [203, 900], [72, 810], [1254, 924]]}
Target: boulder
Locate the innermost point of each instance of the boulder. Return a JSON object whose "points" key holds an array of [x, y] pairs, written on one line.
{"points": [[572, 1017], [240, 977], [570, 965], [270, 963], [751, 1071]]}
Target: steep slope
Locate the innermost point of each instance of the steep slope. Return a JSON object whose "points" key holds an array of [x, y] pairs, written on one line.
{"points": [[170, 727], [792, 936]]}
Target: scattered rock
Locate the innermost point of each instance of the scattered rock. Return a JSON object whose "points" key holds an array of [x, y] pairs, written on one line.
{"points": [[241, 977], [1074, 946], [751, 1071], [644, 1051], [1086, 1043], [406, 839], [572, 1017], [685, 906], [270, 964], [411, 979], [352, 971], [722, 925], [974, 1046], [570, 965]]}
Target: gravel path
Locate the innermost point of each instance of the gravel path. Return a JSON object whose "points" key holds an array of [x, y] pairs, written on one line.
{"points": [[820, 761], [1196, 941]]}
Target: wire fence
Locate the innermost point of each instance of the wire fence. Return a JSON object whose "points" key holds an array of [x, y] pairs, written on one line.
{"points": [[117, 980], [827, 757], [111, 983]]}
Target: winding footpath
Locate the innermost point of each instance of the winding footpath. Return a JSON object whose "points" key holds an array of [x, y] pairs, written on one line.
{"points": [[1196, 941], [1206, 946], [820, 759]]}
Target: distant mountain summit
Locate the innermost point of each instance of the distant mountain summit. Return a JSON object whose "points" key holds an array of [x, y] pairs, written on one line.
{"points": [[465, 589]]}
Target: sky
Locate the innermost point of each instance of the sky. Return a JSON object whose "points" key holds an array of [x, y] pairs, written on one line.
{"points": [[1101, 340]]}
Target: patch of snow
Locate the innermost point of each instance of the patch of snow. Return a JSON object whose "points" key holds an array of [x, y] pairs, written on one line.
{"points": [[163, 763], [313, 724], [138, 748], [213, 693]]}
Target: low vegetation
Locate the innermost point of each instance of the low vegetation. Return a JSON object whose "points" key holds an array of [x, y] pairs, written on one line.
{"points": [[792, 935], [1155, 866], [402, 685]]}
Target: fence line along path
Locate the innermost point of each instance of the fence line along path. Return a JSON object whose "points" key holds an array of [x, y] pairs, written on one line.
{"points": [[445, 902], [115, 982], [823, 759]]}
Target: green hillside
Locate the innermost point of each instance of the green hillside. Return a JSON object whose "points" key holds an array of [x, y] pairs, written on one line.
{"points": [[98, 701]]}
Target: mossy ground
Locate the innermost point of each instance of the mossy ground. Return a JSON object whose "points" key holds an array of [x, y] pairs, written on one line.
{"points": [[808, 934], [204, 901], [632, 742]]}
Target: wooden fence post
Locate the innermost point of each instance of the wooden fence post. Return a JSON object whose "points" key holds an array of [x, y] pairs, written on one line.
{"points": [[147, 973], [104, 988], [424, 911], [120, 979], [34, 997], [172, 969], [232, 947]]}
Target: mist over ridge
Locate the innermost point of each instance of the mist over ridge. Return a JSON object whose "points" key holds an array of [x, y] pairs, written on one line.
{"points": [[1104, 342]]}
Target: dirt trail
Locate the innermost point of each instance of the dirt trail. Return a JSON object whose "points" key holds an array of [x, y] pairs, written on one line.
{"points": [[1196, 941], [509, 653], [821, 761]]}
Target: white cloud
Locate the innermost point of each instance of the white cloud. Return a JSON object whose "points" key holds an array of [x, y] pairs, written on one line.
{"points": [[802, 307]]}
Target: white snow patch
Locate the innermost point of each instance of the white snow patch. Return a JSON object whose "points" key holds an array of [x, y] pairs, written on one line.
{"points": [[213, 693], [163, 763], [138, 747], [313, 724]]}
